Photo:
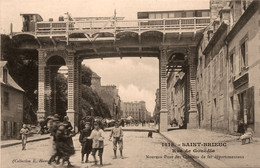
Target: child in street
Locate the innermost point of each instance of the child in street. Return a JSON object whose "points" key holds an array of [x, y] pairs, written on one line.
{"points": [[24, 132], [85, 143], [97, 135], [117, 134]]}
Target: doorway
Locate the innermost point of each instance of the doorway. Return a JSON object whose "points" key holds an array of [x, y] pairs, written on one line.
{"points": [[246, 107]]}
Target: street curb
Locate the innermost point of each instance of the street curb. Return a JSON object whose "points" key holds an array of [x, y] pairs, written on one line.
{"points": [[187, 154], [17, 143]]}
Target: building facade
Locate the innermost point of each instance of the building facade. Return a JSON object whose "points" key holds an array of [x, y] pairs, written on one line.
{"points": [[137, 110], [227, 80], [109, 95], [227, 71], [12, 98]]}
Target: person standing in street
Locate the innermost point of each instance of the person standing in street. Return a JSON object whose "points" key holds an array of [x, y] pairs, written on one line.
{"points": [[24, 132], [53, 129], [97, 135], [85, 143], [117, 134]]}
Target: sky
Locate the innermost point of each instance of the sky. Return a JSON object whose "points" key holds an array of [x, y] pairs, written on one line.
{"points": [[137, 79]]}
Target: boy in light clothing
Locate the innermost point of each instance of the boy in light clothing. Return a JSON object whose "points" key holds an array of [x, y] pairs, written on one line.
{"points": [[117, 134], [24, 132], [97, 135]]}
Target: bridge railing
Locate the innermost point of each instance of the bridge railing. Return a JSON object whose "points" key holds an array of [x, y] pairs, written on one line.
{"points": [[170, 24]]}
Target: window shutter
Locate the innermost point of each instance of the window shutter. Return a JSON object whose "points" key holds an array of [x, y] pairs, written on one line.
{"points": [[246, 53], [250, 105]]}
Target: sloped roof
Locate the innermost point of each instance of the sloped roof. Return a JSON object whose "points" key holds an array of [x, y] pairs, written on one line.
{"points": [[95, 75], [10, 80]]}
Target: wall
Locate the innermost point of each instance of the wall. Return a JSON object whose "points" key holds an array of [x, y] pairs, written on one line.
{"points": [[12, 113], [252, 30]]}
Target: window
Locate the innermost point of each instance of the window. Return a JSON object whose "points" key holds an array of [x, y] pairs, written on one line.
{"points": [[214, 71], [231, 61], [243, 54], [143, 15], [5, 75], [178, 15], [221, 62], [205, 14], [232, 102], [5, 128], [190, 14], [171, 15], [165, 15], [152, 16], [158, 15], [6, 99]]}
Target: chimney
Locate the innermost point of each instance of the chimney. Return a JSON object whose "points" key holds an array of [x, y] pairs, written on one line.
{"points": [[215, 7], [236, 10], [225, 15]]}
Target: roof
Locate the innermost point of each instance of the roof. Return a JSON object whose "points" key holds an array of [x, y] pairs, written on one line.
{"points": [[10, 80], [2, 63], [95, 75], [222, 28]]}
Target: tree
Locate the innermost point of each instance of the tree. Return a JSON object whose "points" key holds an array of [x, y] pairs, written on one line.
{"points": [[22, 66], [90, 99], [61, 95]]}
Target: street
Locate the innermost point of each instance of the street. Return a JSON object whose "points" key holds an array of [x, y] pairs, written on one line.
{"points": [[139, 152]]}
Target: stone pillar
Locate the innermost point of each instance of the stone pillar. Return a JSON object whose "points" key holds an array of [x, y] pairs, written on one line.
{"points": [[163, 127], [77, 96], [71, 86], [47, 90], [193, 111], [41, 84], [79, 86]]}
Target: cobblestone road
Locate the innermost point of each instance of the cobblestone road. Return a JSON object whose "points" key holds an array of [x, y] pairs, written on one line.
{"points": [[139, 152]]}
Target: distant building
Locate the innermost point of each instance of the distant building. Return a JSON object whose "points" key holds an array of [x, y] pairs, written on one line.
{"points": [[137, 110], [109, 95], [156, 112], [12, 98]]}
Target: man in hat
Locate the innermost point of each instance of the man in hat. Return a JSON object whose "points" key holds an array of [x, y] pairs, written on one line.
{"points": [[97, 135]]}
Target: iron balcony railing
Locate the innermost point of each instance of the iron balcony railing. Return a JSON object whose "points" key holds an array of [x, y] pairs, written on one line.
{"points": [[62, 28]]}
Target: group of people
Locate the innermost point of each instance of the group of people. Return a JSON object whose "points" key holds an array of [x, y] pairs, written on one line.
{"points": [[92, 141], [62, 144]]}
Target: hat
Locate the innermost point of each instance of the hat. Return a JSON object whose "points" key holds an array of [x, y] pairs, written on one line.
{"points": [[56, 116]]}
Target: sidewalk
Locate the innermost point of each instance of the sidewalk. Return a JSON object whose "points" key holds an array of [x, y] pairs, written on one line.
{"points": [[232, 155], [33, 138]]}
